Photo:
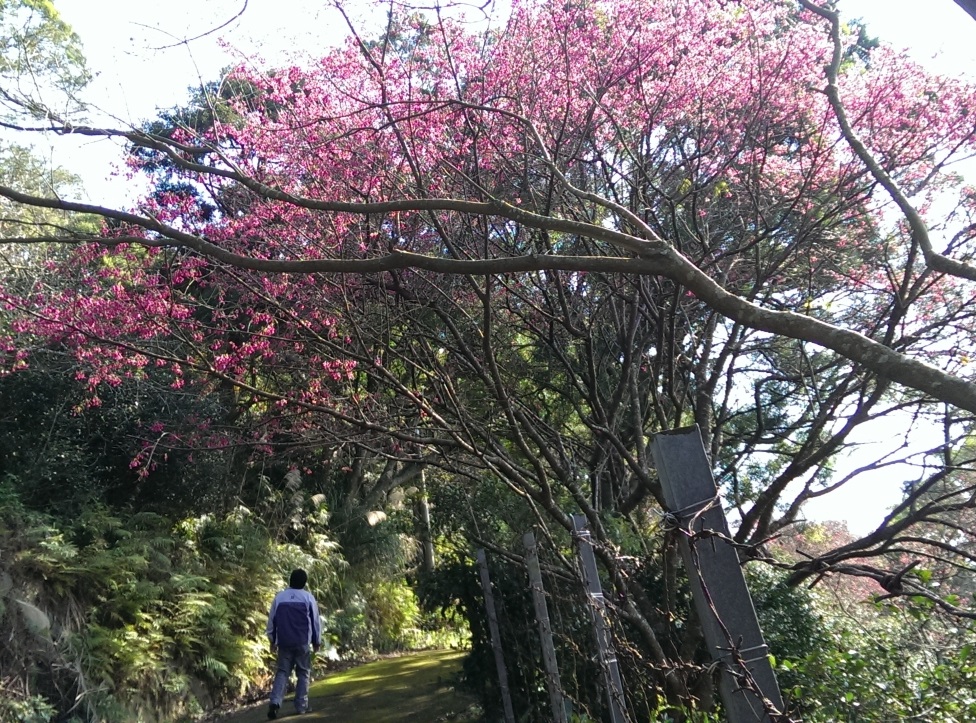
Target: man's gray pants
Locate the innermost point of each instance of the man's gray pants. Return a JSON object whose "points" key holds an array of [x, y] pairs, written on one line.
{"points": [[299, 660]]}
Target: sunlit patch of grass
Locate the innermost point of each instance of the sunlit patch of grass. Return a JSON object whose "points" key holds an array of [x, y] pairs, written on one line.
{"points": [[413, 688]]}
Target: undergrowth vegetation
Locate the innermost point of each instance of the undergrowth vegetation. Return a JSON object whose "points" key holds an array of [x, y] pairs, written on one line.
{"points": [[147, 619]]}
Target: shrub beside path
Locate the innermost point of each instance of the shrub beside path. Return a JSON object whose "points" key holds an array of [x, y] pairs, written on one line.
{"points": [[412, 688]]}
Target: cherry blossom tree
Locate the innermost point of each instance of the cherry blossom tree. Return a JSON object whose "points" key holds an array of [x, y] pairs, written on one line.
{"points": [[510, 250], [598, 89]]}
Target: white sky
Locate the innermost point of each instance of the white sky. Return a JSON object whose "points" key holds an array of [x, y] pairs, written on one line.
{"points": [[134, 48], [927, 28], [125, 40]]}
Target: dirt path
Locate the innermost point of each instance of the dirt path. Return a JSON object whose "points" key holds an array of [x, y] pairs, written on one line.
{"points": [[414, 688]]}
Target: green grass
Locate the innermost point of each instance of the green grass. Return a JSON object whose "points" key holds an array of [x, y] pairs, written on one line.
{"points": [[413, 688]]}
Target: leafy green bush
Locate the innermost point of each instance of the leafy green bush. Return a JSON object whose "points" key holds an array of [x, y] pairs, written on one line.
{"points": [[873, 666]]}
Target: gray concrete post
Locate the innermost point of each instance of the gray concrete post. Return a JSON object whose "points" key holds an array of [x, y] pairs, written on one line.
{"points": [[747, 684]]}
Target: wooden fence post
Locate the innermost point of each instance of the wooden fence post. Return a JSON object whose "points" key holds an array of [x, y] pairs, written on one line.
{"points": [[545, 628], [747, 684], [496, 638], [594, 593]]}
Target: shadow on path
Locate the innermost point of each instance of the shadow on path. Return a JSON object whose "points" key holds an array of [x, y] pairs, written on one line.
{"points": [[413, 688]]}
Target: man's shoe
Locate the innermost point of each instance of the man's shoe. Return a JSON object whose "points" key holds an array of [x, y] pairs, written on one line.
{"points": [[273, 711]]}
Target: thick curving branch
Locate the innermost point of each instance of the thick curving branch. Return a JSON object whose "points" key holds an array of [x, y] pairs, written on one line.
{"points": [[655, 258]]}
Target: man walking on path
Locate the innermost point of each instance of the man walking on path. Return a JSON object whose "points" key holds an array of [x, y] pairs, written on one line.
{"points": [[293, 626]]}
